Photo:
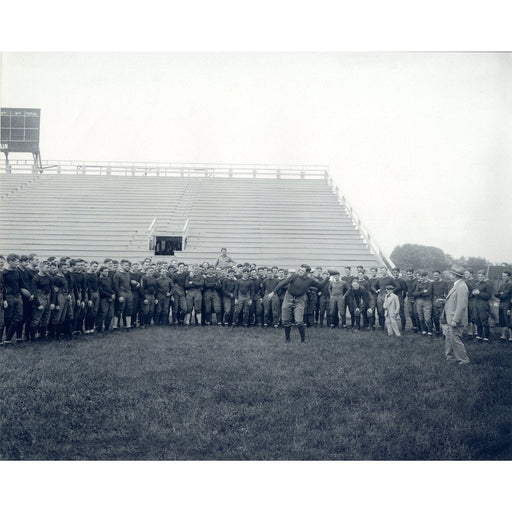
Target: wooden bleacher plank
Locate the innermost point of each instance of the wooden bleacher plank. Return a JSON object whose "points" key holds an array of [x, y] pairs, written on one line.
{"points": [[267, 221]]}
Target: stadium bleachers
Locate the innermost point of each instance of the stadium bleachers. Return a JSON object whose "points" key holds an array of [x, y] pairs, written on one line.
{"points": [[267, 221]]}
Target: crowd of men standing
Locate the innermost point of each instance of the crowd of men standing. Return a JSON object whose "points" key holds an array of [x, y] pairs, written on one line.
{"points": [[64, 297]]}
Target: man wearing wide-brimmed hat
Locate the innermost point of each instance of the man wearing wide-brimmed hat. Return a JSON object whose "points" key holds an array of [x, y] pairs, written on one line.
{"points": [[455, 317]]}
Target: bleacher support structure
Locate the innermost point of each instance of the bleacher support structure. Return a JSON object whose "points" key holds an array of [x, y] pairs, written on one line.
{"points": [[267, 214]]}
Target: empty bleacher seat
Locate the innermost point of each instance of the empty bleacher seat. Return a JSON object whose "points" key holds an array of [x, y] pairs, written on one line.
{"points": [[267, 221]]}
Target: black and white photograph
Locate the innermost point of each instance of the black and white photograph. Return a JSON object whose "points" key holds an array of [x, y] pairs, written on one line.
{"points": [[255, 256]]}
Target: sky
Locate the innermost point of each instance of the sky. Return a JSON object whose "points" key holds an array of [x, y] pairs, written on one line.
{"points": [[419, 142]]}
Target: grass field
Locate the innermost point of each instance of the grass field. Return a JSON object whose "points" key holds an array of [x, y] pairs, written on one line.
{"points": [[243, 394]]}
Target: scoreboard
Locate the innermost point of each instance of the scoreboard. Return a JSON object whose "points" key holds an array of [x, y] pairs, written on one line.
{"points": [[19, 129]]}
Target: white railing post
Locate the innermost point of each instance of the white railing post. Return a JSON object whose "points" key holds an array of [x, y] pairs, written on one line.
{"points": [[150, 234], [184, 236]]}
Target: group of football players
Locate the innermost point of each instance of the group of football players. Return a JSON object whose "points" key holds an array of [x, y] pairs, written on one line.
{"points": [[64, 297]]}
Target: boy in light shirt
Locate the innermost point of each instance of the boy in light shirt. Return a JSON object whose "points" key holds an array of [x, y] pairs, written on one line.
{"points": [[392, 311]]}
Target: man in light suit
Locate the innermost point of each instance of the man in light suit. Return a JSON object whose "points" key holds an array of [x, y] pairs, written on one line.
{"points": [[455, 317]]}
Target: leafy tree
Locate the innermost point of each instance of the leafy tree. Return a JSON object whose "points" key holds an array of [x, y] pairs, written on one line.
{"points": [[475, 263], [420, 257], [429, 258]]}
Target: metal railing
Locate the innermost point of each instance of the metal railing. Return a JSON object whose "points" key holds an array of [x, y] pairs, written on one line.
{"points": [[369, 239], [185, 234], [188, 170], [150, 233], [201, 170]]}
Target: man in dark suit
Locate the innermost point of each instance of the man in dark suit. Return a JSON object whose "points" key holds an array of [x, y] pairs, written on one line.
{"points": [[455, 317]]}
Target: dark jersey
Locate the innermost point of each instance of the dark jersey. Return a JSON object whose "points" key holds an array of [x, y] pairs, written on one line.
{"points": [[79, 286], [471, 284], [485, 289], [41, 284], [381, 283], [32, 272], [12, 282], [105, 288], [121, 282], [439, 289], [244, 287], [163, 285], [194, 282], [504, 292], [70, 280], [92, 284], [360, 298], [373, 284], [26, 278], [423, 290], [179, 281], [323, 287], [228, 287], [256, 282], [135, 279], [60, 285], [212, 282], [149, 285], [348, 279], [410, 285], [364, 283], [282, 290], [298, 286], [269, 284], [337, 288], [400, 287]]}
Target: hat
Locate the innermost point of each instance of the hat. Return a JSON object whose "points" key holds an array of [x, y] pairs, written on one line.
{"points": [[306, 267], [457, 270], [390, 287]]}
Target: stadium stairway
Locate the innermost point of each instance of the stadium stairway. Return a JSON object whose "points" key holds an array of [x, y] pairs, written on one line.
{"points": [[268, 221], [15, 183]]}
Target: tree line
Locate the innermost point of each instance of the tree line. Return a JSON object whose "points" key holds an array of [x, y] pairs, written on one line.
{"points": [[430, 258]]}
